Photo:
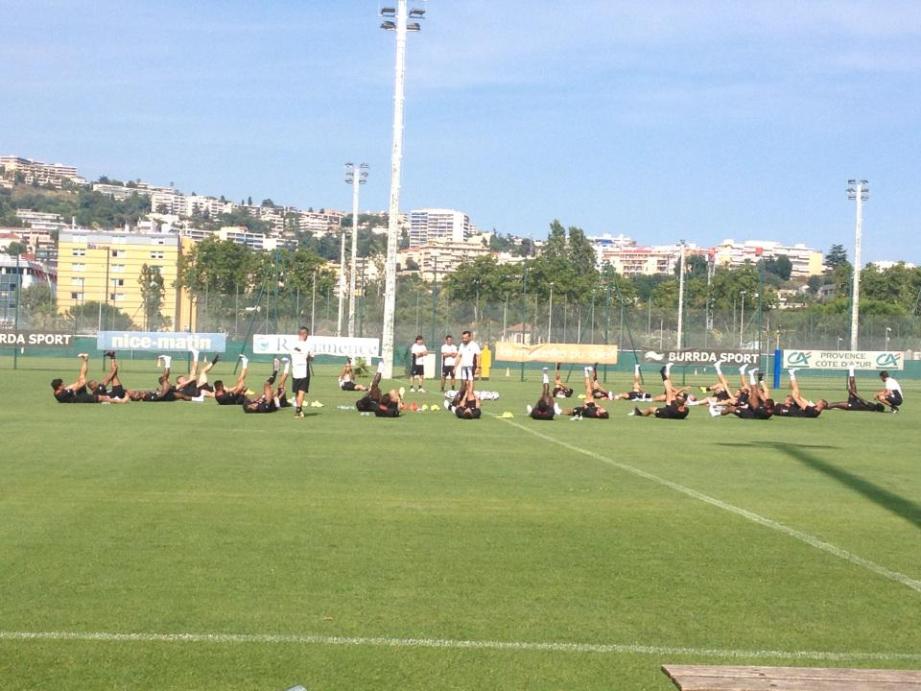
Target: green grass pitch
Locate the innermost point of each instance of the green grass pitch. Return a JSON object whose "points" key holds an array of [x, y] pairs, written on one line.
{"points": [[309, 538]]}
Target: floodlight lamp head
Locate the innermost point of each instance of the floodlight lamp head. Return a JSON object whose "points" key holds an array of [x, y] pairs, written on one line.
{"points": [[388, 11], [417, 13], [414, 26], [388, 26], [852, 181]]}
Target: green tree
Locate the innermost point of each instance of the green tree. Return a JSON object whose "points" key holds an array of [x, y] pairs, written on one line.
{"points": [[92, 313], [16, 248], [836, 257], [152, 294]]}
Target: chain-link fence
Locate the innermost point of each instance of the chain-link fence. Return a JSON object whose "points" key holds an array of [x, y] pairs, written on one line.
{"points": [[422, 310]]}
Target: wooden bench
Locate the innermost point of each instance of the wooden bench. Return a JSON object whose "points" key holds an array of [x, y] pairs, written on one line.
{"points": [[706, 678]]}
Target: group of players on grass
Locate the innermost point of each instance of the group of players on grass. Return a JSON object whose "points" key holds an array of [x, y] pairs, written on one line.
{"points": [[750, 400]]}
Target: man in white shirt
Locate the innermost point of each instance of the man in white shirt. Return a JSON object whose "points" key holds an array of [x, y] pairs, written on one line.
{"points": [[468, 360], [892, 394], [417, 352], [448, 361], [301, 354]]}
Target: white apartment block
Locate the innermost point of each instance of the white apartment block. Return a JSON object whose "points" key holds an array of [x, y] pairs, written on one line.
{"points": [[806, 261], [39, 173], [440, 257], [629, 259], [42, 221], [429, 225], [319, 222]]}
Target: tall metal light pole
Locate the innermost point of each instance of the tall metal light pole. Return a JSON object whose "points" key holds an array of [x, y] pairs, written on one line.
{"points": [[355, 181], [680, 336], [742, 293], [395, 19], [550, 317], [341, 314], [859, 191]]}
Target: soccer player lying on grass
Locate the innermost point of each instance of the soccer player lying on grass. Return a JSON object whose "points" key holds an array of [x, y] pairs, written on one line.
{"points": [[165, 393], [560, 390], [195, 386], [272, 398], [636, 393], [369, 402], [236, 395], [465, 405], [597, 390], [76, 392], [589, 409], [754, 401], [721, 391], [676, 400], [347, 378], [546, 407], [854, 402], [891, 395], [110, 380], [796, 405]]}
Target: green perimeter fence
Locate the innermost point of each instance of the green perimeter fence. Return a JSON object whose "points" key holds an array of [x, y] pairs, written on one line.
{"points": [[423, 309]]}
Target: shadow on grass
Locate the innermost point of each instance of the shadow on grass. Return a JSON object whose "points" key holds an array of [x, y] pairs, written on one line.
{"points": [[904, 508]]}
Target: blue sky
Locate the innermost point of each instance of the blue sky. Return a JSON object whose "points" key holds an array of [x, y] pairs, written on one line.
{"points": [[662, 120]]}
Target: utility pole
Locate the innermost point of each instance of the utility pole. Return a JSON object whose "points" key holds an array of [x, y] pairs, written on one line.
{"points": [[680, 336], [355, 181], [397, 20], [341, 281], [858, 191]]}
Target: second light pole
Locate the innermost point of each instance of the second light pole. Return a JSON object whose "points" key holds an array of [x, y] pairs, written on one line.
{"points": [[355, 181]]}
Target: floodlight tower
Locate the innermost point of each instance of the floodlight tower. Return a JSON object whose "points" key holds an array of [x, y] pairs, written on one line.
{"points": [[355, 181], [858, 191], [680, 335], [396, 19]]}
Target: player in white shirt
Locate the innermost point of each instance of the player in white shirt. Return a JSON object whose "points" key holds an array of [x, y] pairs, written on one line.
{"points": [[892, 394], [468, 360], [417, 371], [301, 354], [448, 361]]}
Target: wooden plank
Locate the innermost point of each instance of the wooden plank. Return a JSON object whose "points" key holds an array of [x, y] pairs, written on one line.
{"points": [[738, 678]]}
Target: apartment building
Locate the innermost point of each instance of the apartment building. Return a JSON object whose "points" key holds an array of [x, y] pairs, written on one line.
{"points": [[106, 266], [440, 257], [806, 261], [431, 225], [33, 172]]}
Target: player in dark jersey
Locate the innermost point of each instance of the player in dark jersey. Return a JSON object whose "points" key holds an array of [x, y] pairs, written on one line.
{"points": [[236, 395], [110, 386], [636, 393], [560, 390], [546, 407], [797, 405], [465, 406], [676, 400], [165, 391], [721, 391], [269, 401], [599, 391], [854, 402], [589, 409], [195, 386], [77, 391], [753, 402]]}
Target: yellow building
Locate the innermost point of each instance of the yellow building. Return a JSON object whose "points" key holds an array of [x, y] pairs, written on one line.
{"points": [[106, 267]]}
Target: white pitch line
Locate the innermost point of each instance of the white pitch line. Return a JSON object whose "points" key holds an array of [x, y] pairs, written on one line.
{"points": [[448, 643], [810, 540]]}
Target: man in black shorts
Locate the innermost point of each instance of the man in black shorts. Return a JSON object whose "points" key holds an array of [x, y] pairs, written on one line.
{"points": [[891, 394], [110, 386], [301, 353], [269, 401], [466, 405], [754, 401], [546, 407], [195, 386], [854, 402], [347, 378], [560, 390], [77, 392], [448, 361], [636, 393], [417, 353], [797, 405], [166, 392], [589, 409], [597, 390], [236, 395], [676, 400]]}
